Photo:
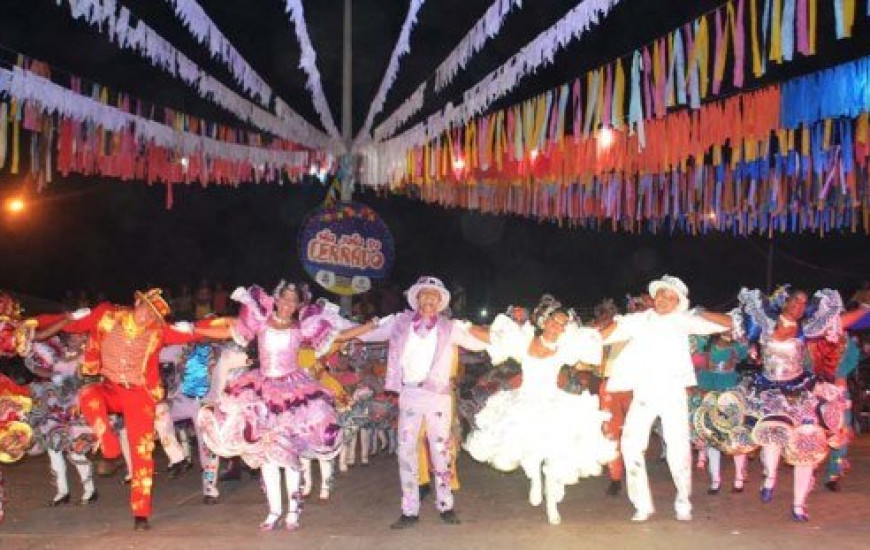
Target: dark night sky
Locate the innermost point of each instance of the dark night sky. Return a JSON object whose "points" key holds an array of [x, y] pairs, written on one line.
{"points": [[113, 236], [117, 237]]}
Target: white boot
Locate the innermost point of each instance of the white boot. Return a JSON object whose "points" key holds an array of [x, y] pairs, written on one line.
{"points": [[325, 479], [350, 459], [365, 439], [554, 493], [58, 471], [271, 474], [536, 489], [307, 482]]}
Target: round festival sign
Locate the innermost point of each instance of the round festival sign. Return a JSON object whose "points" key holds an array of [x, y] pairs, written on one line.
{"points": [[345, 246]]}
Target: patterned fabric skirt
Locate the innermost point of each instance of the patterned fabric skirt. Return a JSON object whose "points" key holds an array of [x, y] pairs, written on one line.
{"points": [[274, 420], [802, 416], [55, 419]]}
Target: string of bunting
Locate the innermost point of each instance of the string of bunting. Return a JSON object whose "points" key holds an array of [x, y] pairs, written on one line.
{"points": [[486, 27], [200, 25], [617, 142], [402, 47], [120, 25], [780, 159], [95, 136], [684, 68]]}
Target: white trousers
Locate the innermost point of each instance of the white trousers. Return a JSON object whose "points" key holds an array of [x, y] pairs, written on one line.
{"points": [[672, 407]]}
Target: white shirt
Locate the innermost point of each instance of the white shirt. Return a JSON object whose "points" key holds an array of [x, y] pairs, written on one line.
{"points": [[418, 356], [658, 357]]}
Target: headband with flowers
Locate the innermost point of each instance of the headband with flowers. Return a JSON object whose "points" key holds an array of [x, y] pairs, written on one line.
{"points": [[547, 306]]}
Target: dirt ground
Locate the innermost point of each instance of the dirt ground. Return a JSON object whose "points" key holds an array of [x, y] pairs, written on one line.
{"points": [[492, 506]]}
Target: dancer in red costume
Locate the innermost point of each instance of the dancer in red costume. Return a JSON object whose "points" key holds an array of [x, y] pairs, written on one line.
{"points": [[123, 348]]}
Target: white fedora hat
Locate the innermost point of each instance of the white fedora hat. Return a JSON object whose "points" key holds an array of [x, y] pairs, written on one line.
{"points": [[432, 283], [674, 284]]}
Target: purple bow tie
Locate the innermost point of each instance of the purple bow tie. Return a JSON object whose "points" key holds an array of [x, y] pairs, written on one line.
{"points": [[423, 325]]}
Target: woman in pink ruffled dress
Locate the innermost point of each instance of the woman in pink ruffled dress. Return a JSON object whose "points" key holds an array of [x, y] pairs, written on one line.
{"points": [[277, 414]]}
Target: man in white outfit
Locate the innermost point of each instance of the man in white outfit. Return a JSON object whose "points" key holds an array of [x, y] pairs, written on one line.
{"points": [[659, 349]]}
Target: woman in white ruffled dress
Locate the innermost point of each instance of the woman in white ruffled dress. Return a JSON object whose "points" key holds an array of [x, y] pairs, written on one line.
{"points": [[538, 426]]}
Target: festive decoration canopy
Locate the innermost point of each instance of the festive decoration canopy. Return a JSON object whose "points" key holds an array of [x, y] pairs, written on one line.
{"points": [[641, 115]]}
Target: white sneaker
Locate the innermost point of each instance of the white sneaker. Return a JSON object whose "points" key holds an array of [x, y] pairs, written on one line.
{"points": [[553, 517], [684, 516], [641, 516]]}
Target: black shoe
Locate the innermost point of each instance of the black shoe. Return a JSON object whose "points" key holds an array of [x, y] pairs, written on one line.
{"points": [[233, 471], [62, 501], [187, 464], [108, 466], [174, 471], [713, 491], [91, 499], [404, 522], [140, 524], [209, 500], [425, 489], [231, 474], [833, 485], [449, 517], [614, 488]]}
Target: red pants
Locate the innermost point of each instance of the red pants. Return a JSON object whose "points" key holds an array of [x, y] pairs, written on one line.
{"points": [[617, 404], [137, 406]]}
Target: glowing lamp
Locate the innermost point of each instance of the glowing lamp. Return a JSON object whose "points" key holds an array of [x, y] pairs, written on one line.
{"points": [[605, 138], [15, 205]]}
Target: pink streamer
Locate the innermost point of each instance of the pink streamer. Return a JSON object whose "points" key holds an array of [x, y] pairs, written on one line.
{"points": [[803, 41], [740, 45], [608, 96]]}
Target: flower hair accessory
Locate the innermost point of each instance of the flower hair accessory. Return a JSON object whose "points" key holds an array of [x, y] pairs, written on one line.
{"points": [[302, 290], [546, 307]]}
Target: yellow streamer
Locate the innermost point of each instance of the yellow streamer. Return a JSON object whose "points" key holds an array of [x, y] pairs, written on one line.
{"points": [[702, 48], [619, 95], [776, 32], [757, 67], [848, 17]]}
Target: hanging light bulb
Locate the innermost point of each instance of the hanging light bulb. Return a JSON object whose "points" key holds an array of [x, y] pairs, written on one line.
{"points": [[605, 138]]}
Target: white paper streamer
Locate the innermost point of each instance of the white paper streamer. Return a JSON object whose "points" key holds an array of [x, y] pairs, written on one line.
{"points": [[191, 14], [386, 159], [26, 86], [485, 28], [402, 47], [411, 105], [107, 18], [308, 63]]}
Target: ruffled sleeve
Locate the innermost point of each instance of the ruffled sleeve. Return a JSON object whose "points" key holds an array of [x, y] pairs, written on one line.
{"points": [[754, 316], [506, 339], [253, 313], [580, 345], [825, 318], [318, 332]]}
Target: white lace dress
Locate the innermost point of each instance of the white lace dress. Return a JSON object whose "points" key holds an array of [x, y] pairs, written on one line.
{"points": [[539, 423]]}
